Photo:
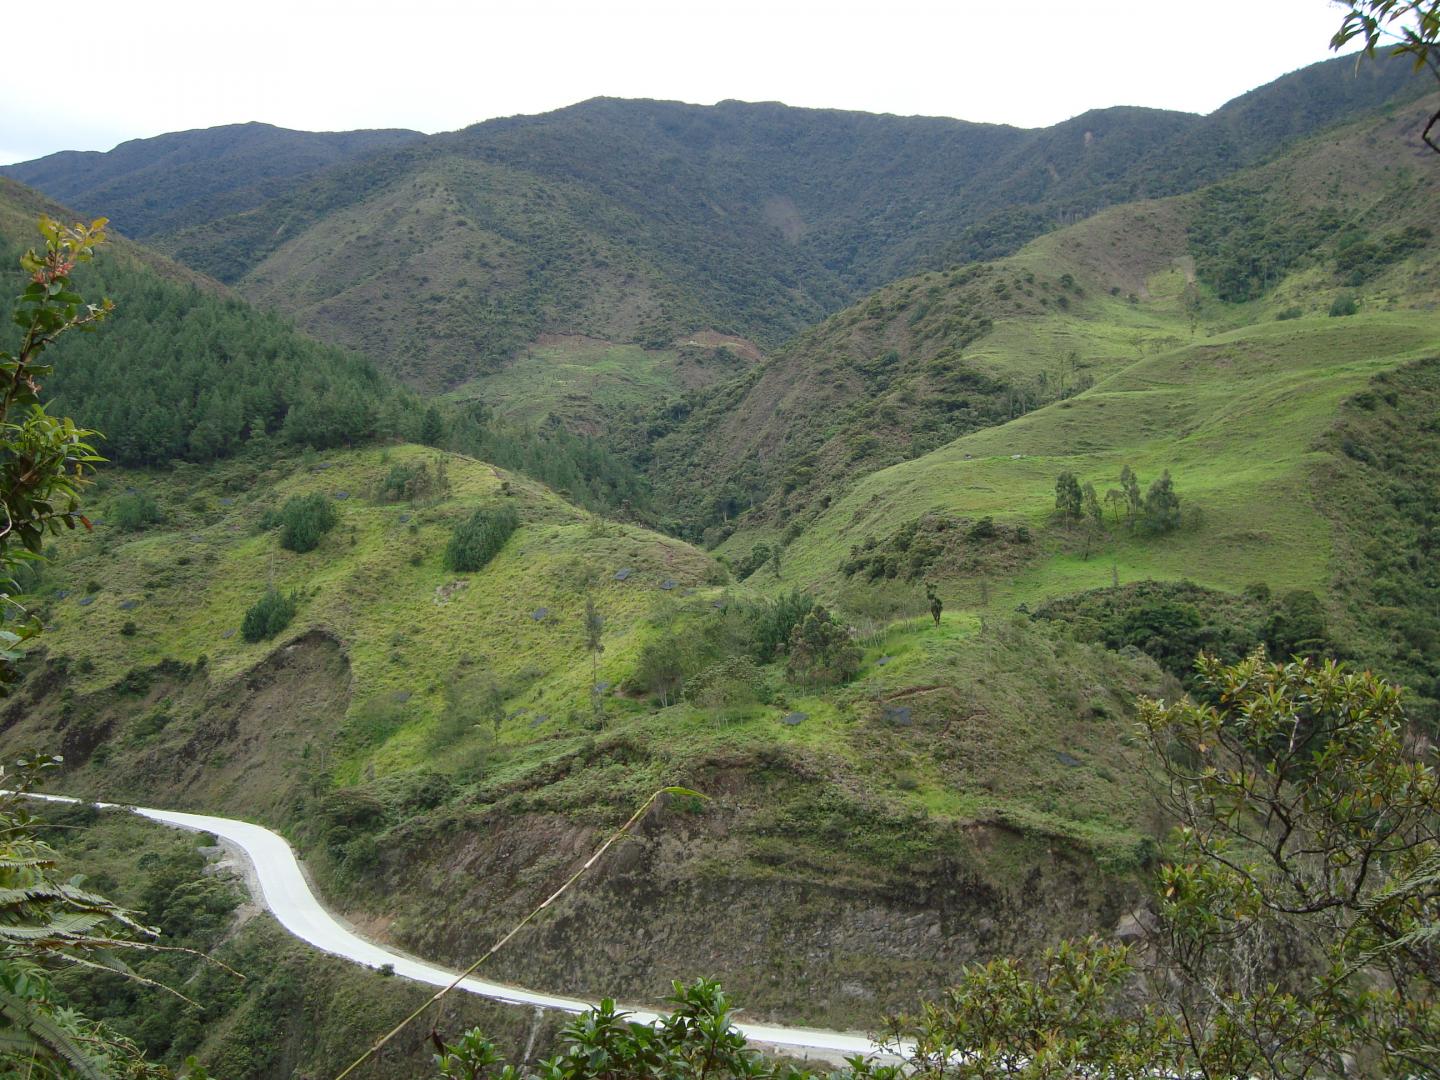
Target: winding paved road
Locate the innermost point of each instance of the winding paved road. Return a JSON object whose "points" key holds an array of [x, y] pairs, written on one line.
{"points": [[284, 891]]}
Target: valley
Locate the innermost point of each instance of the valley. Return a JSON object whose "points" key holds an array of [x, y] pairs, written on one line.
{"points": [[875, 478]]}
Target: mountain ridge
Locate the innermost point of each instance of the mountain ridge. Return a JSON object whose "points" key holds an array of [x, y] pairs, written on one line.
{"points": [[643, 221], [144, 184]]}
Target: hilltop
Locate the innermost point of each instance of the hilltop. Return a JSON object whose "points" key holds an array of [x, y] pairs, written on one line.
{"points": [[152, 186]]}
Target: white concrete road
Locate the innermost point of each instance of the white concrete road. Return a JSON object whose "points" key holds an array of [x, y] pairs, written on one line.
{"points": [[285, 893]]}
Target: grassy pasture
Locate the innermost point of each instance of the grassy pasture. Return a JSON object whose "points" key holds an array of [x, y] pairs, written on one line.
{"points": [[590, 384], [1233, 417]]}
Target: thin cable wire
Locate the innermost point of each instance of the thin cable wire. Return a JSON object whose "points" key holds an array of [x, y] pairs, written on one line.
{"points": [[635, 817]]}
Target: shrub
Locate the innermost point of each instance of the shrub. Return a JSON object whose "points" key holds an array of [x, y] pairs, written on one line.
{"points": [[733, 681], [129, 629], [985, 529], [664, 664], [820, 651], [269, 615], [131, 513], [478, 540], [413, 482], [304, 520], [1289, 313], [1344, 304], [1161, 512], [775, 622], [1297, 627], [758, 557]]}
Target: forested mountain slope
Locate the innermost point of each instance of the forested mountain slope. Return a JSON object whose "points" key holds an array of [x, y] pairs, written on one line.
{"points": [[189, 371], [1269, 344], [934, 356], [151, 186], [638, 221], [21, 207]]}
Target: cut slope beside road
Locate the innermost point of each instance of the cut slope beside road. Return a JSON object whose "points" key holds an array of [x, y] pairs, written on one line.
{"points": [[281, 887]]}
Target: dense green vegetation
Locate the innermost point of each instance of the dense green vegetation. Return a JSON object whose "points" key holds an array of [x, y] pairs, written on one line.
{"points": [[1174, 622], [1380, 491], [581, 467], [218, 375], [479, 539], [957, 529], [268, 616], [303, 520], [1245, 243], [149, 186], [641, 221]]}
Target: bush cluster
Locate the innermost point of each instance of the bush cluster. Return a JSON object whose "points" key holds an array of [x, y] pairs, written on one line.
{"points": [[269, 615], [718, 659], [132, 512], [478, 540], [1344, 305], [916, 546], [820, 652], [735, 680], [414, 482], [304, 519], [1173, 622]]}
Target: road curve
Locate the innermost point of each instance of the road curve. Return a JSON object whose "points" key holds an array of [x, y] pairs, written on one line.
{"points": [[285, 893]]}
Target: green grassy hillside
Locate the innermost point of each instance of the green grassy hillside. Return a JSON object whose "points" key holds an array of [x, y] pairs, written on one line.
{"points": [[1235, 420], [376, 583], [595, 386], [432, 739], [933, 357]]}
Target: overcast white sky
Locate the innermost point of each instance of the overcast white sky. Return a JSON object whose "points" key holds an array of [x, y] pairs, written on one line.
{"points": [[153, 66]]}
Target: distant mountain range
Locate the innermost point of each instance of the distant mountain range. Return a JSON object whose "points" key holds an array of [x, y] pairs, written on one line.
{"points": [[150, 186], [640, 221]]}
